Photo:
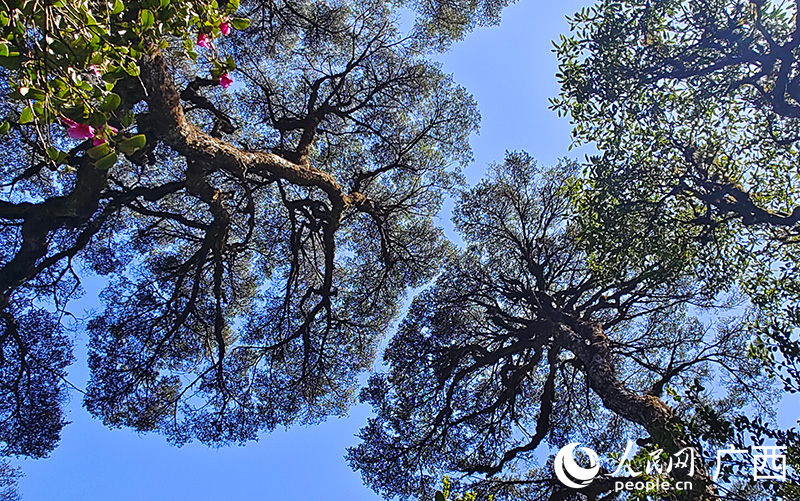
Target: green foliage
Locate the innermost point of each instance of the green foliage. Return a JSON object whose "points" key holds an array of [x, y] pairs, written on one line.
{"points": [[507, 352], [62, 59], [259, 240], [693, 107]]}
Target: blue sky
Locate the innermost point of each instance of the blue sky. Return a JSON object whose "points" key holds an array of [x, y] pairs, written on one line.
{"points": [[510, 70]]}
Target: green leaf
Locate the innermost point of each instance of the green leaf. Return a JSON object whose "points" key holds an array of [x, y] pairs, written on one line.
{"points": [[3, 50], [26, 115], [110, 103], [97, 119], [11, 62], [132, 69], [146, 18], [36, 94], [57, 86], [118, 7], [114, 75], [53, 153], [74, 112], [106, 162], [240, 23], [132, 144], [233, 5], [4, 127], [439, 496], [127, 118], [59, 47], [99, 151]]}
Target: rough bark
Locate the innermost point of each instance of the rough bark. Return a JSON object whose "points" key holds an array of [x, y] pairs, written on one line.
{"points": [[589, 343], [167, 122]]}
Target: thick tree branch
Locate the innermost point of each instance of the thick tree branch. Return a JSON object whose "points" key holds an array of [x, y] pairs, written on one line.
{"points": [[167, 121], [69, 211]]}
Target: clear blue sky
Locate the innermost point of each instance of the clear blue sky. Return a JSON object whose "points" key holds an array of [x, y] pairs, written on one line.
{"points": [[510, 70]]}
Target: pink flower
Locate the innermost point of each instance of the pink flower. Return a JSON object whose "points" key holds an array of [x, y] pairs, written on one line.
{"points": [[100, 137], [225, 80], [225, 28], [204, 41], [94, 70], [78, 131]]}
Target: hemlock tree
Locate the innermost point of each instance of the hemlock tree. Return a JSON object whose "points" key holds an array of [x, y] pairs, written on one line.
{"points": [[258, 182], [537, 334]]}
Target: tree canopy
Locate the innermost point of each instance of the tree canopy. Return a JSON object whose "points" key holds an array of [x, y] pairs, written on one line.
{"points": [[650, 297], [259, 182], [258, 226], [697, 102], [534, 334]]}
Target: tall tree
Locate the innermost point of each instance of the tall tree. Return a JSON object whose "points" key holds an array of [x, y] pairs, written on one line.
{"points": [[695, 104], [537, 334], [257, 180], [694, 100]]}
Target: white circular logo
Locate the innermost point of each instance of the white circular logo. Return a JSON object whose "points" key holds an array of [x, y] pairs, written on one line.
{"points": [[569, 472]]}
